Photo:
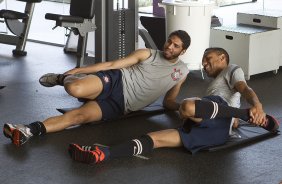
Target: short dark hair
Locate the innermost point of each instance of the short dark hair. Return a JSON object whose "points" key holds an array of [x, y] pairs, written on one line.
{"points": [[184, 37], [219, 51]]}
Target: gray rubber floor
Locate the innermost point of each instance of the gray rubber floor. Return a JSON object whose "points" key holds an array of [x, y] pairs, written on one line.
{"points": [[45, 159]]}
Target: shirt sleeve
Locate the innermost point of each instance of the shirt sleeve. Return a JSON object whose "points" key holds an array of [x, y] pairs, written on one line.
{"points": [[237, 76], [150, 59]]}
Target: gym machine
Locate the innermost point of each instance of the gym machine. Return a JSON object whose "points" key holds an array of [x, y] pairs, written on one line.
{"points": [[119, 34], [114, 23], [18, 23]]}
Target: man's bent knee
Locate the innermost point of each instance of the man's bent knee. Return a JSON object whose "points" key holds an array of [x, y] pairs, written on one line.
{"points": [[187, 108], [74, 89]]}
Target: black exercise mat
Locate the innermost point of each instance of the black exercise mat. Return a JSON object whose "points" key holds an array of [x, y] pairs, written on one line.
{"points": [[149, 110], [245, 133]]}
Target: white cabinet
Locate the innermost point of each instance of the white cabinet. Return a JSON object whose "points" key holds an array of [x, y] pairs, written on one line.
{"points": [[254, 49], [263, 18]]}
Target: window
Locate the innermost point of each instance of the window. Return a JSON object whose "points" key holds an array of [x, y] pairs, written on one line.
{"points": [[145, 6], [149, 6], [232, 2]]}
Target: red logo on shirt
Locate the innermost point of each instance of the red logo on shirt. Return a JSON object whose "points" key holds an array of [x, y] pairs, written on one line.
{"points": [[106, 79], [176, 74]]}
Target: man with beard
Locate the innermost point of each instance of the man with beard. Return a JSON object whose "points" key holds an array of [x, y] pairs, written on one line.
{"points": [[114, 88], [207, 120]]}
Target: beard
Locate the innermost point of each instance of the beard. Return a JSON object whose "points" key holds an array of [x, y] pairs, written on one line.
{"points": [[169, 56]]}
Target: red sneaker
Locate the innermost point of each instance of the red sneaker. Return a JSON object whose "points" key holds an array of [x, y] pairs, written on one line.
{"points": [[86, 154], [8, 130], [19, 134]]}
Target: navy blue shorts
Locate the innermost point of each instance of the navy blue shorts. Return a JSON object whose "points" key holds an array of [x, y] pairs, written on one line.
{"points": [[111, 99], [208, 133]]}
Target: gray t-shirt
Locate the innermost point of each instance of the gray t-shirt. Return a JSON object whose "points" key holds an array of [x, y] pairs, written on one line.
{"points": [[223, 85], [146, 81]]}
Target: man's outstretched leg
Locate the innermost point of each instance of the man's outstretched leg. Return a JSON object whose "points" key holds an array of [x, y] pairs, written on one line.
{"points": [[142, 145], [207, 109], [20, 134]]}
